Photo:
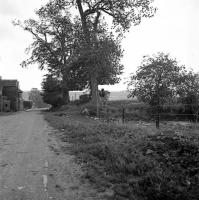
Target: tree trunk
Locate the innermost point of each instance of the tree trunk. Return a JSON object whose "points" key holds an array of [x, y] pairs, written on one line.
{"points": [[65, 90], [95, 95], [93, 74], [66, 96]]}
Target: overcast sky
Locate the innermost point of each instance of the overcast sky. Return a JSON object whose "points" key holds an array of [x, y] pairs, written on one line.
{"points": [[174, 30]]}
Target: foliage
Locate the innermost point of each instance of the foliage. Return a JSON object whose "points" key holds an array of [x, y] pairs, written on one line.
{"points": [[123, 13], [135, 165], [84, 98], [177, 156], [52, 32], [156, 80], [36, 98], [53, 46], [188, 92], [27, 104], [82, 51], [92, 15], [105, 56], [52, 91]]}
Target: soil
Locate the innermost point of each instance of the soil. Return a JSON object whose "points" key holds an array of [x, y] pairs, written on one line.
{"points": [[32, 164]]}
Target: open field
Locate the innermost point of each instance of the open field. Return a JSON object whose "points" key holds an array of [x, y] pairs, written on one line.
{"points": [[133, 161], [127, 110]]}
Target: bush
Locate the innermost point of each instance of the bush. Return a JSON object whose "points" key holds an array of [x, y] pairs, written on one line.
{"points": [[164, 167], [27, 104], [84, 98], [91, 109]]}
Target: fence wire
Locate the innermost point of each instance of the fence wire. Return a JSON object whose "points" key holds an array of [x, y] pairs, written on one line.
{"points": [[137, 112]]}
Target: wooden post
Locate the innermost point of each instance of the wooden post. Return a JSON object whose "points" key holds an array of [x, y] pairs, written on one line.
{"points": [[157, 121], [123, 115], [157, 117]]}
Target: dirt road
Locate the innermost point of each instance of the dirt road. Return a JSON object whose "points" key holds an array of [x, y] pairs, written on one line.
{"points": [[32, 167]]}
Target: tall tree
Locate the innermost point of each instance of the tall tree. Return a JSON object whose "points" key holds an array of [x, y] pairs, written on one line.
{"points": [[106, 53], [59, 46], [156, 81], [92, 15], [52, 42], [122, 13]]}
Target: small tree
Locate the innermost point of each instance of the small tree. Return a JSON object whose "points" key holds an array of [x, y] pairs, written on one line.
{"points": [[36, 98], [155, 81], [52, 91], [27, 104]]}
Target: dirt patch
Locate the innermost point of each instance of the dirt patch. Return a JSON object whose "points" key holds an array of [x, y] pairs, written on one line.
{"points": [[66, 174]]}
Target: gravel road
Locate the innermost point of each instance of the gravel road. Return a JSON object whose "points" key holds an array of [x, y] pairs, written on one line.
{"points": [[32, 165]]}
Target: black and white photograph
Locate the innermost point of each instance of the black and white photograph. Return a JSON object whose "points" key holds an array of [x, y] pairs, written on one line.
{"points": [[99, 99]]}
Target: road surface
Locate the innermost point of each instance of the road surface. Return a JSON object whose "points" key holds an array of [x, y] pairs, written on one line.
{"points": [[32, 167]]}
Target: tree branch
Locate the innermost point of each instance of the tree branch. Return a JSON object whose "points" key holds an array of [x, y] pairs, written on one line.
{"points": [[96, 21]]}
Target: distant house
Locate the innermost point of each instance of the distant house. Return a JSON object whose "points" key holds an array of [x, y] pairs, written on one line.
{"points": [[10, 96]]}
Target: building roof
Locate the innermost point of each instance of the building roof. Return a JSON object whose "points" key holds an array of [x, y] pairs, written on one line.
{"points": [[9, 83]]}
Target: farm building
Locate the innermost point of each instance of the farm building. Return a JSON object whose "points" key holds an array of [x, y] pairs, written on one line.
{"points": [[10, 96]]}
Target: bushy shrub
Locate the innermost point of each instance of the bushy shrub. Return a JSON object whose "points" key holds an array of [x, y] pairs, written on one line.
{"points": [[178, 112], [27, 104], [84, 98]]}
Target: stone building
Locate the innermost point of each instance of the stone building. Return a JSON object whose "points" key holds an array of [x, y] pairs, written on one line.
{"points": [[10, 96]]}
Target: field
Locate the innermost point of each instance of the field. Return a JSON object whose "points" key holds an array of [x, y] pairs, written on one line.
{"points": [[126, 110], [132, 161]]}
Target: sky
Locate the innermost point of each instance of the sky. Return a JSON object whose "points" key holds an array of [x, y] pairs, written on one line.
{"points": [[174, 29]]}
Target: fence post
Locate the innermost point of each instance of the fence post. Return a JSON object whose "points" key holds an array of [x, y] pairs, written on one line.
{"points": [[123, 114], [157, 121], [157, 117]]}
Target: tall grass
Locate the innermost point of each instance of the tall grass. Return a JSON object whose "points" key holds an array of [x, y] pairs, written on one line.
{"points": [[135, 165]]}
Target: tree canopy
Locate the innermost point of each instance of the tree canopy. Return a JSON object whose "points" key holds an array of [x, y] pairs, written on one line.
{"points": [[156, 80], [83, 48], [92, 14]]}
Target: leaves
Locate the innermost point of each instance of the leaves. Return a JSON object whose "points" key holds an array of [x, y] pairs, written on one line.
{"points": [[156, 80]]}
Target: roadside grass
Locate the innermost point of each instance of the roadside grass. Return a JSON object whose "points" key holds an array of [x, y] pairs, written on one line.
{"points": [[135, 162], [134, 110], [119, 109]]}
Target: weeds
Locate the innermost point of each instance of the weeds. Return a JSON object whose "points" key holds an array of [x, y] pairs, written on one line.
{"points": [[134, 165]]}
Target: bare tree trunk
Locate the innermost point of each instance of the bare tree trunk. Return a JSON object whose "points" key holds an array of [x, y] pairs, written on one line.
{"points": [[66, 97], [65, 89], [94, 83]]}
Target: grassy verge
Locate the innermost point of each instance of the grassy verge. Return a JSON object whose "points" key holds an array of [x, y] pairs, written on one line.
{"points": [[131, 162]]}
